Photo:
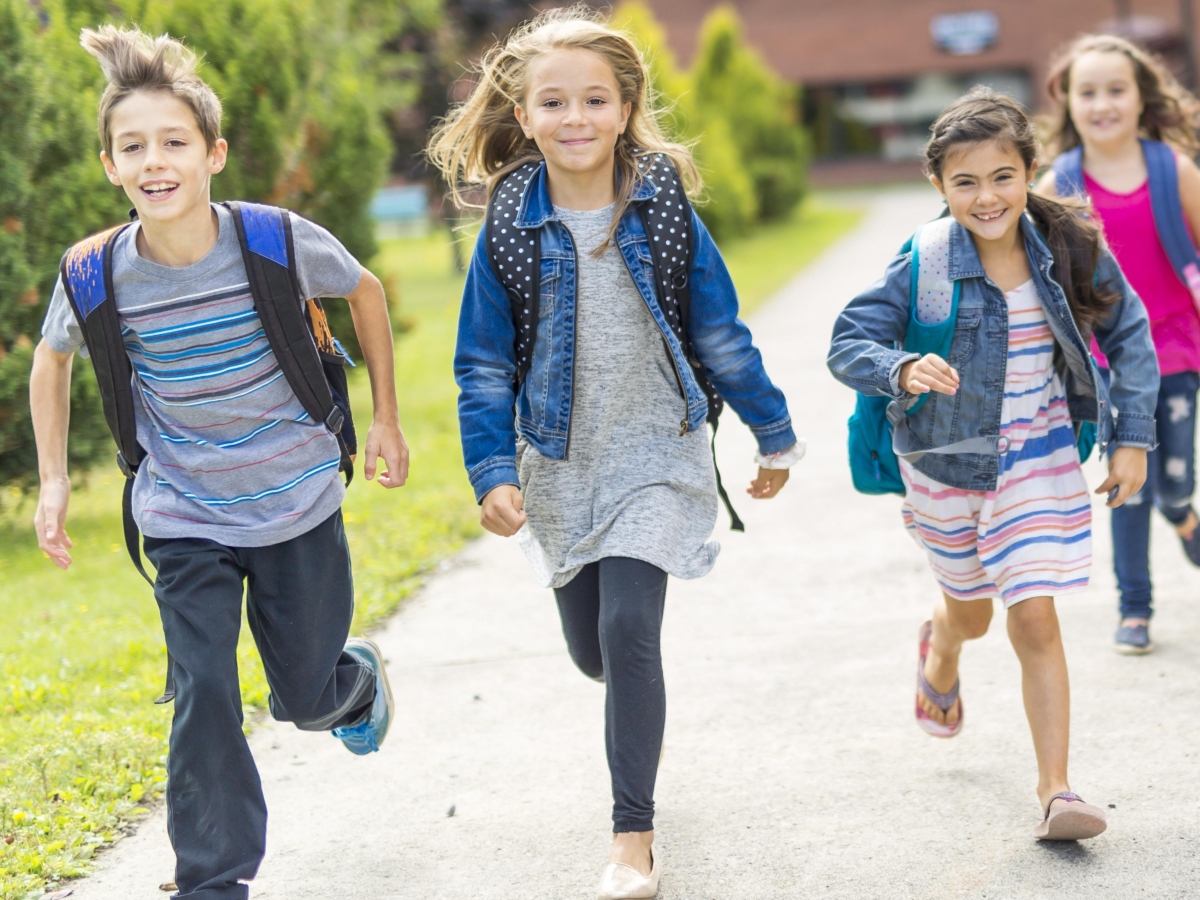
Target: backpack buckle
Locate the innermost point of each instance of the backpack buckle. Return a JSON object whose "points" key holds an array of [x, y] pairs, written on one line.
{"points": [[679, 278], [123, 464], [335, 420]]}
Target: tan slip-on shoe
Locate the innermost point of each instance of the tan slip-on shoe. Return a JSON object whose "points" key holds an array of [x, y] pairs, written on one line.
{"points": [[622, 882], [1071, 820]]}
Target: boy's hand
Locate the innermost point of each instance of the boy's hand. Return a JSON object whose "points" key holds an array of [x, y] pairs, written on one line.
{"points": [[503, 510], [929, 373], [768, 483], [50, 521], [386, 440], [1126, 473]]}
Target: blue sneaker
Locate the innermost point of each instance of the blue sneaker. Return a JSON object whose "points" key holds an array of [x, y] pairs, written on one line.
{"points": [[366, 736], [1133, 640]]}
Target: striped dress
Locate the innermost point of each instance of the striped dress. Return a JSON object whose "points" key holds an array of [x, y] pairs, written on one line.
{"points": [[1032, 535]]}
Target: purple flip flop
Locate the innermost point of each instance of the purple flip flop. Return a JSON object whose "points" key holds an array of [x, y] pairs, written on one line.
{"points": [[944, 702]]}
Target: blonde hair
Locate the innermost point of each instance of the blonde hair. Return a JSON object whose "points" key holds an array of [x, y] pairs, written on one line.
{"points": [[1169, 112], [133, 61], [480, 141]]}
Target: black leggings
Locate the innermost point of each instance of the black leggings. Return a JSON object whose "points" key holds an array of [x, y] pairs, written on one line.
{"points": [[612, 619]]}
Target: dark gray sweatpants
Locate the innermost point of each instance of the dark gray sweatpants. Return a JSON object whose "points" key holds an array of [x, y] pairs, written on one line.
{"points": [[299, 601]]}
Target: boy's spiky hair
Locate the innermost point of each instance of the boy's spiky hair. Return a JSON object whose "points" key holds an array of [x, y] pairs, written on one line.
{"points": [[133, 61]]}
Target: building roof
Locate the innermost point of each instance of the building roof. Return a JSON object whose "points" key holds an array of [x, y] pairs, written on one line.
{"points": [[841, 41]]}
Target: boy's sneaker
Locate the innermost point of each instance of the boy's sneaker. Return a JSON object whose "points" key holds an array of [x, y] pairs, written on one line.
{"points": [[1133, 640], [367, 735]]}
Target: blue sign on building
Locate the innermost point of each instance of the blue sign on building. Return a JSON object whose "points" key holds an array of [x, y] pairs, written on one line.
{"points": [[967, 33]]}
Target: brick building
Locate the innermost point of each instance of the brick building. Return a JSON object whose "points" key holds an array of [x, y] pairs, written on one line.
{"points": [[877, 72]]}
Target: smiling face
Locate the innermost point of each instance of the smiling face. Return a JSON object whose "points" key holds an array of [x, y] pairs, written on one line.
{"points": [[986, 187], [1103, 100], [159, 156], [573, 111]]}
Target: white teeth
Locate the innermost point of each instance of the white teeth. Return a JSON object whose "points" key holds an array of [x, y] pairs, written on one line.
{"points": [[987, 217]]}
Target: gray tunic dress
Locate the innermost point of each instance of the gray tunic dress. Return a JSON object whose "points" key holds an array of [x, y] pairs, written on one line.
{"points": [[630, 485]]}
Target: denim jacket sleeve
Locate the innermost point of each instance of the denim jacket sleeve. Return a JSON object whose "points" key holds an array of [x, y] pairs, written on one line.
{"points": [[485, 369], [1124, 336], [723, 345], [863, 353]]}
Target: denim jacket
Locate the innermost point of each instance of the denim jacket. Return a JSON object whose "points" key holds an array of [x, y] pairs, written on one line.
{"points": [[485, 367], [863, 355]]}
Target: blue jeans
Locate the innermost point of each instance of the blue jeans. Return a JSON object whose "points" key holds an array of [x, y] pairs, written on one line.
{"points": [[1170, 482]]}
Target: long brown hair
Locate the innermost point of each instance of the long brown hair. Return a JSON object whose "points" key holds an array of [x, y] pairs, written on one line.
{"points": [[480, 141], [1169, 112], [985, 115]]}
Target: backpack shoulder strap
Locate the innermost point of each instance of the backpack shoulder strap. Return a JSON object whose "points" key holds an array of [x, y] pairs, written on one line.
{"points": [[265, 236], [87, 278], [1068, 174], [933, 296], [667, 220], [86, 273], [1169, 220], [515, 257]]}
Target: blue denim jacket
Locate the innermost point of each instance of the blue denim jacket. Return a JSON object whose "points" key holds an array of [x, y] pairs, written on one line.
{"points": [[863, 355], [484, 364]]}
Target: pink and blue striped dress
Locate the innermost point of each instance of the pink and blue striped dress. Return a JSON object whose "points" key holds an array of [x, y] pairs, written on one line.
{"points": [[1032, 535]]}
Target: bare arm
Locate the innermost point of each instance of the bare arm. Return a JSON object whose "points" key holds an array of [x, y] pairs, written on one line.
{"points": [[50, 405], [368, 307]]}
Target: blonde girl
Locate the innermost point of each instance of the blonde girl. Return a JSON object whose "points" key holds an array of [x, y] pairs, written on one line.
{"points": [[1013, 522], [590, 446], [1119, 116]]}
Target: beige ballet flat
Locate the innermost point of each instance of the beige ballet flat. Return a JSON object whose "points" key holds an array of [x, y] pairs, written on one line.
{"points": [[622, 882]]}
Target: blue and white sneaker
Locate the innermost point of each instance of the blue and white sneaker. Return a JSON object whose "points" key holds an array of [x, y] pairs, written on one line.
{"points": [[1133, 640], [366, 736]]}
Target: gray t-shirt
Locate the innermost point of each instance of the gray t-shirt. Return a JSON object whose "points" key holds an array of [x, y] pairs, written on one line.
{"points": [[231, 455], [631, 485]]}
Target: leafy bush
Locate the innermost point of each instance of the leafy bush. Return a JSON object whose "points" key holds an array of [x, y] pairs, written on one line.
{"points": [[732, 81], [740, 116], [303, 118]]}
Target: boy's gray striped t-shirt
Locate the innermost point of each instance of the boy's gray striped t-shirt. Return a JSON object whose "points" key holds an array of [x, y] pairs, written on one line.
{"points": [[231, 454]]}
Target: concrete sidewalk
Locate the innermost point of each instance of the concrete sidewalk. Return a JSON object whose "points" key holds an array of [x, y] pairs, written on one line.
{"points": [[793, 767]]}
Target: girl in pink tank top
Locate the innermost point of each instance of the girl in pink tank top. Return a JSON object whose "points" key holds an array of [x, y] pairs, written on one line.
{"points": [[1095, 83]]}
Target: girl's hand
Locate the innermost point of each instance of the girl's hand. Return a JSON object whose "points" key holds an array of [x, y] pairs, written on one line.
{"points": [[503, 510], [768, 483], [929, 373], [1126, 473]]}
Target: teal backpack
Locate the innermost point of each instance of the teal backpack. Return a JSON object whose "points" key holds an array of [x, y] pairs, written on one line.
{"points": [[877, 436]]}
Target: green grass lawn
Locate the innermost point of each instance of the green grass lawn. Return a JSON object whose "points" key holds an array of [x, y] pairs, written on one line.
{"points": [[82, 748]]}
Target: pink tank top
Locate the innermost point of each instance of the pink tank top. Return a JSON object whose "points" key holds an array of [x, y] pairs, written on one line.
{"points": [[1128, 222]]}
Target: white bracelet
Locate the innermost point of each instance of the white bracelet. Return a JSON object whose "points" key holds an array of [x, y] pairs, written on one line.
{"points": [[784, 459]]}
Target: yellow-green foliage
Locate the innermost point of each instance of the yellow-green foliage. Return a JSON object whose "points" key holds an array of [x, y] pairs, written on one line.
{"points": [[740, 116]]}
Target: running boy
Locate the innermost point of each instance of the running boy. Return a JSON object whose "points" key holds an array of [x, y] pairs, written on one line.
{"points": [[238, 483]]}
